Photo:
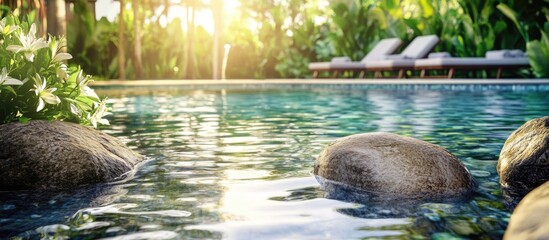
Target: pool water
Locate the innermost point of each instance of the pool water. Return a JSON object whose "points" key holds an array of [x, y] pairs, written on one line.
{"points": [[236, 164]]}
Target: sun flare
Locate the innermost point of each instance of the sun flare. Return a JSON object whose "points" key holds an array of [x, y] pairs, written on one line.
{"points": [[204, 16]]}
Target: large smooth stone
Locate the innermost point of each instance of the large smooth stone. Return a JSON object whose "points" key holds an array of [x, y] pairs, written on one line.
{"points": [[60, 155], [529, 220], [394, 166], [524, 159]]}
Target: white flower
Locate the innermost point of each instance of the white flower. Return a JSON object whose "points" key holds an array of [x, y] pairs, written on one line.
{"points": [[73, 106], [7, 80], [100, 112], [74, 109], [81, 79], [29, 44], [82, 82], [45, 95], [57, 55], [61, 71], [6, 29], [87, 91]]}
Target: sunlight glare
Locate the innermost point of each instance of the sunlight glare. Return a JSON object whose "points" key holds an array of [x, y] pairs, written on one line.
{"points": [[203, 17]]}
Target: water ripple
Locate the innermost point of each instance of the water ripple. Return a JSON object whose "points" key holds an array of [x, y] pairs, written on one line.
{"points": [[117, 209], [224, 163], [160, 235]]}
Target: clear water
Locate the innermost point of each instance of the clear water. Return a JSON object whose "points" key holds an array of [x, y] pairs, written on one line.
{"points": [[236, 164]]}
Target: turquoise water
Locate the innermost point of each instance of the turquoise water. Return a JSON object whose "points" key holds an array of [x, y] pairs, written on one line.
{"points": [[236, 164]]}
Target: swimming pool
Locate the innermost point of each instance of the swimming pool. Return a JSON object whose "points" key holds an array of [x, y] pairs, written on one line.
{"points": [[235, 162]]}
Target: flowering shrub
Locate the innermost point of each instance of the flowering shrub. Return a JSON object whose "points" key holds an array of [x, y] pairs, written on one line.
{"points": [[35, 82]]}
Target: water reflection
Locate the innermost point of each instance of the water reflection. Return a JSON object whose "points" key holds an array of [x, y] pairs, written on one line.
{"points": [[237, 163], [23, 212], [255, 210]]}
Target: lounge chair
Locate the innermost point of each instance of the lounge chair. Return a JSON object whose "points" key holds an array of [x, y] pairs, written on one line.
{"points": [[382, 49], [499, 60], [417, 49]]}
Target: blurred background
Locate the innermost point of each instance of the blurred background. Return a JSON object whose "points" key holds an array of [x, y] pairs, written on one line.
{"points": [[256, 39]]}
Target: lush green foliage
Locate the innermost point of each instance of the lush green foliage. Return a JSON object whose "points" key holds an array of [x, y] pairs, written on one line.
{"points": [[271, 39], [35, 82], [538, 53], [163, 46], [93, 44], [528, 25]]}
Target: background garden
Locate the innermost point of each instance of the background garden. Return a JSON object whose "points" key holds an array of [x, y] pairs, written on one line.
{"points": [[278, 38]]}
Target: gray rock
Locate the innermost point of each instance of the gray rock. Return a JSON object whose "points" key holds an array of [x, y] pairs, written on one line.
{"points": [[395, 166], [60, 155], [529, 220], [524, 159]]}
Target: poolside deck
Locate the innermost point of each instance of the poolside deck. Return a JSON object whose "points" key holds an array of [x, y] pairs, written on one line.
{"points": [[163, 82]]}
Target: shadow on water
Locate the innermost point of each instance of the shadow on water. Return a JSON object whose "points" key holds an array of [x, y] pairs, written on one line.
{"points": [[512, 196], [431, 216], [23, 212], [381, 205]]}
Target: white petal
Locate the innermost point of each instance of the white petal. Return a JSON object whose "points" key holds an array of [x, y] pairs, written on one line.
{"points": [[93, 122], [61, 57], [50, 98], [14, 48], [41, 105], [29, 56], [87, 91], [38, 44], [61, 72], [74, 109], [104, 121], [11, 81], [32, 30]]}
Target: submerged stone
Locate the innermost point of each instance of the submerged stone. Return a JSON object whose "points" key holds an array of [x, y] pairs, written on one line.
{"points": [[60, 155], [529, 220], [395, 167], [524, 159]]}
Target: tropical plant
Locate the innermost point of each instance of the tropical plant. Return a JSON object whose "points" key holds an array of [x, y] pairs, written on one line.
{"points": [[538, 53], [35, 82], [303, 35], [356, 27], [278, 38], [93, 44], [537, 50]]}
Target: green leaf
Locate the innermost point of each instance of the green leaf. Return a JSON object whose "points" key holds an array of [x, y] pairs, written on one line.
{"points": [[538, 54], [511, 14], [500, 26], [24, 120], [9, 89]]}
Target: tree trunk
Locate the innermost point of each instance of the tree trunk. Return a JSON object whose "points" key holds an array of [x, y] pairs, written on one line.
{"points": [[57, 24], [138, 65], [121, 44], [189, 56], [217, 12]]}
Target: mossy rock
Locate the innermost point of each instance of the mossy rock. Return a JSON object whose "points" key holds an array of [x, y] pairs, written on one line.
{"points": [[60, 155]]}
